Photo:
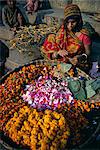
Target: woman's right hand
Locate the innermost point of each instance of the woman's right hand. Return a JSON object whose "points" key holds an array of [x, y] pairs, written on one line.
{"points": [[62, 53], [74, 60]]}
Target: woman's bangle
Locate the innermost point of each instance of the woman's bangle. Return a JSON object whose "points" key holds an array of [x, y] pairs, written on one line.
{"points": [[54, 55], [82, 58], [84, 55]]}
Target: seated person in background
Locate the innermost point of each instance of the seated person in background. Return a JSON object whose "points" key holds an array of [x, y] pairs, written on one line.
{"points": [[12, 16], [4, 53], [71, 43], [32, 5]]}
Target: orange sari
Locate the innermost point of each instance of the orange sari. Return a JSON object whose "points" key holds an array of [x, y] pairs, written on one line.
{"points": [[62, 41]]}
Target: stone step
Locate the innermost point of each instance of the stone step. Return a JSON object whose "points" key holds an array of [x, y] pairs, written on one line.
{"points": [[17, 59]]}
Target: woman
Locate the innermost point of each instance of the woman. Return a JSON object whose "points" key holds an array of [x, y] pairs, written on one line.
{"points": [[71, 43], [32, 5], [12, 16]]}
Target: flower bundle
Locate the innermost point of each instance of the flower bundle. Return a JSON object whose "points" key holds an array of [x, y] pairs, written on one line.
{"points": [[46, 130]]}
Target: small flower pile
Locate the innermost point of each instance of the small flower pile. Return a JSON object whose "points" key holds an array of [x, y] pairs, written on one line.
{"points": [[26, 37], [47, 93], [46, 130]]}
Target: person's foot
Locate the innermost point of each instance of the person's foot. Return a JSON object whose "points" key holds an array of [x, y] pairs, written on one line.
{"points": [[94, 72]]}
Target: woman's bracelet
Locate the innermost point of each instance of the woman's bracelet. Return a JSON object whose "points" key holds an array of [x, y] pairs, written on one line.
{"points": [[82, 58], [84, 55], [55, 54]]}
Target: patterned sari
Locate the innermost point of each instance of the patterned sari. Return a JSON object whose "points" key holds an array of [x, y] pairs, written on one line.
{"points": [[62, 41]]}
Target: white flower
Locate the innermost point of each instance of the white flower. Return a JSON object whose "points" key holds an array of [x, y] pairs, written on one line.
{"points": [[51, 96], [27, 93], [27, 86], [54, 91], [24, 96], [50, 103], [70, 98], [55, 101], [30, 102]]}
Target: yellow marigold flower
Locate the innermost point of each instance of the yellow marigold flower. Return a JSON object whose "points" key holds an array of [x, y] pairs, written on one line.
{"points": [[56, 115], [34, 121], [63, 142], [67, 132], [15, 114], [33, 146], [20, 134], [52, 148], [43, 145], [39, 136], [52, 125], [55, 145], [33, 140], [51, 137], [26, 140], [45, 131], [61, 122], [54, 122], [47, 125], [48, 111]]}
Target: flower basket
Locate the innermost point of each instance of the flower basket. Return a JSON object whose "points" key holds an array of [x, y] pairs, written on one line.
{"points": [[87, 134]]}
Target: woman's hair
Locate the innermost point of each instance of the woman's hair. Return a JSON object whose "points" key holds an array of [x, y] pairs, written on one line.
{"points": [[72, 11]]}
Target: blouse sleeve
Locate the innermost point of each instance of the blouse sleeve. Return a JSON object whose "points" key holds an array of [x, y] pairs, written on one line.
{"points": [[86, 40]]}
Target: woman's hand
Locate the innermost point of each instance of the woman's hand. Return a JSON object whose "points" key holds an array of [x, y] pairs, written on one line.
{"points": [[62, 53], [13, 29], [74, 60]]}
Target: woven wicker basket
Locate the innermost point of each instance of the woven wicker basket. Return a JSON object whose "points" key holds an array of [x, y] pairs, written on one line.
{"points": [[10, 145]]}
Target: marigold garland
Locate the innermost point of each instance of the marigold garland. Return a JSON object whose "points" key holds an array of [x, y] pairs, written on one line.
{"points": [[45, 130]]}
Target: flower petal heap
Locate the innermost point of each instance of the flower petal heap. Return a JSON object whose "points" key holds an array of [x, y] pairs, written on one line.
{"points": [[47, 92]]}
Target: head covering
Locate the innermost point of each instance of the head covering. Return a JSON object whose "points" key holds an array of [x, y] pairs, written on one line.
{"points": [[71, 10]]}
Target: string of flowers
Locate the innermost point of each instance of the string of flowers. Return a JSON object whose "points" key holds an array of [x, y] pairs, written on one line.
{"points": [[46, 130]]}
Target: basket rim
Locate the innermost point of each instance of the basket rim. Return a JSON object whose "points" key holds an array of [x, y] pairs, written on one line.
{"points": [[38, 61]]}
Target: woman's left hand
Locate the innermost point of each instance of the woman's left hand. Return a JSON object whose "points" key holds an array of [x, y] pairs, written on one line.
{"points": [[63, 53]]}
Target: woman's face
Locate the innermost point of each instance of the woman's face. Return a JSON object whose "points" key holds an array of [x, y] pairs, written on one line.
{"points": [[10, 3], [71, 24]]}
